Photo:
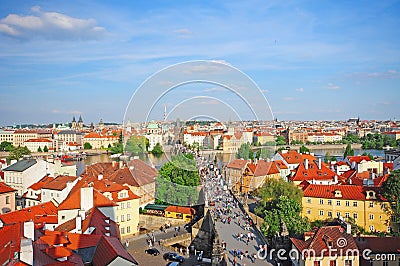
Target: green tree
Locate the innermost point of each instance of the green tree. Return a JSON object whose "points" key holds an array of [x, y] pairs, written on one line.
{"points": [[391, 191], [304, 149], [39, 149], [368, 154], [280, 140], [177, 181], [264, 153], [17, 153], [117, 147], [87, 146], [289, 211], [244, 152], [6, 146], [136, 145], [329, 157], [45, 149], [348, 152], [157, 150]]}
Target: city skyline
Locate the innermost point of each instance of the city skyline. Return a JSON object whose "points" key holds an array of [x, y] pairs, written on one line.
{"points": [[329, 61]]}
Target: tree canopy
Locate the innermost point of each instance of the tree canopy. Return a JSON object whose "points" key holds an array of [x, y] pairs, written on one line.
{"points": [[281, 200], [244, 152], [280, 140], [348, 152], [6, 146], [391, 191], [304, 149], [17, 153], [157, 150], [87, 146], [177, 181], [137, 145]]}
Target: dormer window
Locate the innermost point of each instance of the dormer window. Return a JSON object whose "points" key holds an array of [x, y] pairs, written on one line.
{"points": [[338, 193], [370, 194]]}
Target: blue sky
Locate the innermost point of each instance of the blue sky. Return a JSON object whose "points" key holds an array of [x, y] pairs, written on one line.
{"points": [[312, 59]]}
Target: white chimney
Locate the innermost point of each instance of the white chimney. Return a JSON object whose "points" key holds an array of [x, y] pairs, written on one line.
{"points": [[82, 214], [348, 228], [319, 163], [353, 165], [29, 230], [114, 164], [86, 198], [284, 151], [78, 224], [100, 177], [306, 164], [372, 176], [121, 164], [336, 179]]}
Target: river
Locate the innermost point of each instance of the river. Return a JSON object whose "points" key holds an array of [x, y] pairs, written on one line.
{"points": [[222, 158]]}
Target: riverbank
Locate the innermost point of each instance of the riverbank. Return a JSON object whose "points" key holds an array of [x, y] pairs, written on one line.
{"points": [[90, 152]]}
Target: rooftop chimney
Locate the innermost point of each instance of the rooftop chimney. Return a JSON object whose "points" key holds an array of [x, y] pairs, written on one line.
{"points": [[78, 224], [29, 230], [86, 198], [100, 177], [319, 163], [306, 164], [121, 164]]}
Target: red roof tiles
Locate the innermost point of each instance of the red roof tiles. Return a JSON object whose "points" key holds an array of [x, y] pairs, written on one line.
{"points": [[5, 189], [237, 164], [180, 209], [30, 213]]}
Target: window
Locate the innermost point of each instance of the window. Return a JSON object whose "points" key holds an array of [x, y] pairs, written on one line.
{"points": [[52, 194], [317, 263], [122, 230], [371, 216], [389, 229], [393, 219], [122, 205], [332, 263], [128, 229], [308, 200], [117, 219], [347, 215], [371, 204], [338, 214], [355, 204], [122, 218], [385, 263], [128, 217], [329, 202], [355, 215], [321, 201], [371, 228], [63, 217], [321, 212], [347, 203], [308, 211], [338, 202], [128, 204], [8, 200], [348, 263], [329, 214]]}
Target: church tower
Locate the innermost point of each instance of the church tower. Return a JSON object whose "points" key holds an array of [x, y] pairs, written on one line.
{"points": [[80, 123], [73, 126]]}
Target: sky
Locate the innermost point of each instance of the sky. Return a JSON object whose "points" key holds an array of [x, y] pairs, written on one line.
{"points": [[312, 60]]}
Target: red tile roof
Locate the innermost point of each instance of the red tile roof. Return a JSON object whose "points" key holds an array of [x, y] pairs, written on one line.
{"points": [[237, 164], [73, 201], [38, 140], [350, 192], [30, 213], [180, 209], [136, 174], [109, 249], [291, 157], [60, 182], [42, 182], [5, 189], [58, 252], [265, 168], [10, 241], [313, 172], [358, 159], [281, 164], [319, 242]]}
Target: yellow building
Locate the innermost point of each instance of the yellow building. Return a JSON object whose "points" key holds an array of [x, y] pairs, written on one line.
{"points": [[127, 211], [178, 212], [363, 204], [327, 246]]}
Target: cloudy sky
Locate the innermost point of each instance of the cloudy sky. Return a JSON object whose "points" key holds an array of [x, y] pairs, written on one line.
{"points": [[311, 59]]}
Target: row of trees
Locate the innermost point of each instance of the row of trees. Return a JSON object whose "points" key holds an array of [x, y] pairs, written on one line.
{"points": [[135, 145], [15, 153], [245, 152]]}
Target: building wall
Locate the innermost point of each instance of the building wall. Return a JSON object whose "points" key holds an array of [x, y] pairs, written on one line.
{"points": [[7, 202], [381, 212], [127, 216], [370, 166], [34, 146]]}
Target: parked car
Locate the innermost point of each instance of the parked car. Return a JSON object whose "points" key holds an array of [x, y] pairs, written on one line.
{"points": [[171, 256], [152, 251], [173, 263]]}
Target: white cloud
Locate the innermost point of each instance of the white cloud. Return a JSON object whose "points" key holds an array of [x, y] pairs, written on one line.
{"points": [[300, 90], [75, 112], [215, 89], [265, 91], [55, 111], [332, 86], [50, 25], [183, 33]]}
